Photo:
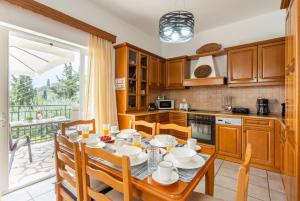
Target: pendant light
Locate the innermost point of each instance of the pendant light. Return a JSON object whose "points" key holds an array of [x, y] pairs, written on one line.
{"points": [[176, 27]]}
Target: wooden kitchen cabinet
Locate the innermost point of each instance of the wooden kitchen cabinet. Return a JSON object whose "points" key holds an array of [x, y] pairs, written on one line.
{"points": [[242, 65], [261, 137], [154, 73], [271, 62], [177, 69], [255, 64], [229, 141]]}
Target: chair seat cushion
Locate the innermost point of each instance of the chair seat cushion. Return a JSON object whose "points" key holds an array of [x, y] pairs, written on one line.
{"points": [[202, 197]]}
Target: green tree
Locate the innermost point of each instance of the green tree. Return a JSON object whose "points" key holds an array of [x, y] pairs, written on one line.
{"points": [[22, 91], [67, 86]]}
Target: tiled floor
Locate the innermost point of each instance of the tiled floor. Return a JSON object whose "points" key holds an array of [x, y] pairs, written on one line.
{"points": [[263, 186], [42, 166]]}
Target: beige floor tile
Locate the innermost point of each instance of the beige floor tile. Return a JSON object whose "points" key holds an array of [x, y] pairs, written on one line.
{"points": [[201, 186], [258, 192], [20, 195], [225, 182], [41, 188], [227, 172], [231, 165], [258, 172], [274, 176], [277, 196], [50, 196], [258, 181], [224, 193], [276, 185]]}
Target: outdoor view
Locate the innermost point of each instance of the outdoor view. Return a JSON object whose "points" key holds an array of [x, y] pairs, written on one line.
{"points": [[44, 92]]}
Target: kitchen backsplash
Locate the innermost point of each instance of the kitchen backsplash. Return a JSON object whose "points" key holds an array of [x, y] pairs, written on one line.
{"points": [[210, 98]]}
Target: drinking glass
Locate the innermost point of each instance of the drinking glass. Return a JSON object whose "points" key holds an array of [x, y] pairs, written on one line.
{"points": [[85, 131], [153, 158], [136, 139], [105, 129]]}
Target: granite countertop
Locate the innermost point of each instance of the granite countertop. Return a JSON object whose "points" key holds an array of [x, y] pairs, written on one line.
{"points": [[277, 117]]}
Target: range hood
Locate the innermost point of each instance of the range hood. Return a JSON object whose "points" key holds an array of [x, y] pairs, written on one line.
{"points": [[204, 73]]}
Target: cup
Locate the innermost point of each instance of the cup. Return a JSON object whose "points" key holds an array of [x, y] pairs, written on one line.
{"points": [[192, 143], [105, 128], [114, 128], [165, 169]]}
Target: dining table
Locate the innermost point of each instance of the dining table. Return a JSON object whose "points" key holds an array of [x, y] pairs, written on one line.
{"points": [[148, 189]]}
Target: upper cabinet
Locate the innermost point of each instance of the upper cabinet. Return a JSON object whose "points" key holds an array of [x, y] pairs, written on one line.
{"points": [[177, 69], [156, 73], [254, 64]]}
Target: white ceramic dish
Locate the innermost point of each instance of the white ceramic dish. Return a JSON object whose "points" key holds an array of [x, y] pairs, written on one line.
{"points": [[182, 154], [98, 145], [174, 178], [141, 158], [198, 148], [91, 141], [164, 138], [114, 132], [156, 143], [130, 151], [128, 131], [196, 162]]}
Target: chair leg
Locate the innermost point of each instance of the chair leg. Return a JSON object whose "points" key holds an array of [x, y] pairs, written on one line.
{"points": [[29, 149], [11, 160]]}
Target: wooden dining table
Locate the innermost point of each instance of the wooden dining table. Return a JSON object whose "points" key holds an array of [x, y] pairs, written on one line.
{"points": [[150, 190]]}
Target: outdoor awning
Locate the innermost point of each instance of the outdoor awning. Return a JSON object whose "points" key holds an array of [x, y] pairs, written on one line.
{"points": [[27, 57]]}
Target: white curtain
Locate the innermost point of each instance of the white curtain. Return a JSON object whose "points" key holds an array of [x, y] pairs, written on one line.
{"points": [[100, 93]]}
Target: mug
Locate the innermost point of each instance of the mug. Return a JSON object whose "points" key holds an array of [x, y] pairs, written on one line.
{"points": [[165, 169], [191, 143], [114, 128]]}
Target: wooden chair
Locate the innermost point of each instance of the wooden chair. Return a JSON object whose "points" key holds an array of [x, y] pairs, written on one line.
{"points": [[242, 182], [144, 124], [174, 127], [75, 124], [67, 155], [122, 189]]}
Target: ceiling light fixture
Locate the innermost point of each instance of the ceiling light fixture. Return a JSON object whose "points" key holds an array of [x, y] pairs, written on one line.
{"points": [[176, 27]]}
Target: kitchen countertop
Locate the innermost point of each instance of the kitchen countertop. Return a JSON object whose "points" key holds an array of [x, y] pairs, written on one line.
{"points": [[277, 117]]}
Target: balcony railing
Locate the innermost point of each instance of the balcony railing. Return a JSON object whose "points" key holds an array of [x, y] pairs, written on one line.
{"points": [[38, 133]]}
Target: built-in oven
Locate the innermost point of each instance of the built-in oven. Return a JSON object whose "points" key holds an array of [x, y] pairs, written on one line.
{"points": [[203, 127]]}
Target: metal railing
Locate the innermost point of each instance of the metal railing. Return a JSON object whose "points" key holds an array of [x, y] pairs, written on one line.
{"points": [[38, 133]]}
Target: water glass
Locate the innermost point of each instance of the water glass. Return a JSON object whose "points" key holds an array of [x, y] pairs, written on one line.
{"points": [[136, 139], [153, 158], [85, 129], [105, 128]]}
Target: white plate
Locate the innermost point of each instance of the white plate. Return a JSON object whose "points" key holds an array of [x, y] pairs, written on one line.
{"points": [[174, 178], [100, 144], [114, 132], [195, 162], [123, 135], [142, 157], [198, 148], [156, 143]]}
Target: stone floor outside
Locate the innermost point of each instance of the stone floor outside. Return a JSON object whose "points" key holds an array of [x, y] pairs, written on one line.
{"points": [[23, 172]]}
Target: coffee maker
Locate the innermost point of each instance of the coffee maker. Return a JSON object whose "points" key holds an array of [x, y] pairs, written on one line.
{"points": [[262, 106]]}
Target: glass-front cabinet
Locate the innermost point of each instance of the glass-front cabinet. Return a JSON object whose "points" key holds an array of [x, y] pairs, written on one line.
{"points": [[132, 67]]}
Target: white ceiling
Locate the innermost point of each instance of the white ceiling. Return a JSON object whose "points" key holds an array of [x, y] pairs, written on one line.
{"points": [[145, 14]]}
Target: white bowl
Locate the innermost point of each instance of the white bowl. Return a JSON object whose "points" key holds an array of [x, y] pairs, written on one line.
{"points": [[130, 151], [182, 154], [165, 139]]}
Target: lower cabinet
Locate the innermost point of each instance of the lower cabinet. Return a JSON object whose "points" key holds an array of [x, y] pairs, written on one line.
{"points": [[229, 140], [262, 140]]}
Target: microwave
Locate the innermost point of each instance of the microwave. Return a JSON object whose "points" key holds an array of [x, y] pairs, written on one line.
{"points": [[165, 104]]}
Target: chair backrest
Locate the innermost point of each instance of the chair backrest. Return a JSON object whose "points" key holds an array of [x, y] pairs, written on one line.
{"points": [[144, 124], [174, 127], [243, 176], [68, 167], [65, 126], [123, 185]]}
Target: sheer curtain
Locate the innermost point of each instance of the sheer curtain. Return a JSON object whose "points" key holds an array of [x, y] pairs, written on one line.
{"points": [[100, 94]]}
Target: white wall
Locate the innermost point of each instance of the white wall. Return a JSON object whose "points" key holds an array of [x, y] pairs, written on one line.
{"points": [[83, 10], [262, 27]]}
